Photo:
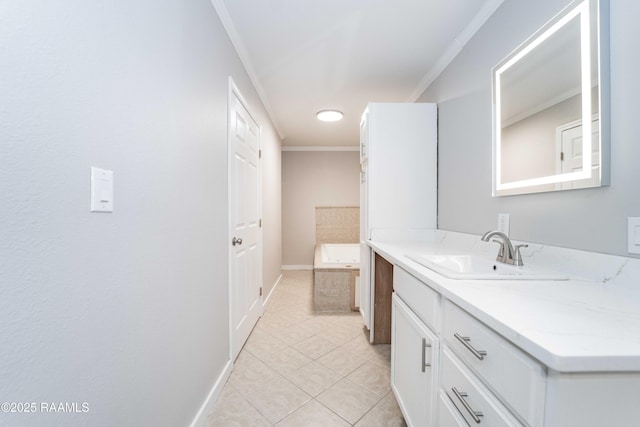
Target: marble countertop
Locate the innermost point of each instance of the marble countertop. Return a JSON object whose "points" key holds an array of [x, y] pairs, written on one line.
{"points": [[577, 325]]}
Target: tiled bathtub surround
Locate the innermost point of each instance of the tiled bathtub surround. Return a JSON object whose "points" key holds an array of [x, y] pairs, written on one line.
{"points": [[332, 290], [337, 225], [299, 368], [334, 287]]}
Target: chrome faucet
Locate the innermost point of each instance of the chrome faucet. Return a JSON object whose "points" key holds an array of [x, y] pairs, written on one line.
{"points": [[507, 254]]}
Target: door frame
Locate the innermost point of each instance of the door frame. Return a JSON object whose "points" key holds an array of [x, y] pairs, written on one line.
{"points": [[233, 91]]}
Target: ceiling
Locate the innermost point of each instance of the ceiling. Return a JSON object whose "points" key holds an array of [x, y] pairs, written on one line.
{"points": [[305, 56]]}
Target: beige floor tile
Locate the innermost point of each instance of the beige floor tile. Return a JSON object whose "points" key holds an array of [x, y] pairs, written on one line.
{"points": [[234, 410], [274, 379], [278, 323], [294, 334], [338, 335], [284, 361], [315, 346], [277, 399], [382, 355], [250, 373], [278, 319], [348, 400], [343, 360], [285, 301], [322, 323], [314, 378], [360, 343], [373, 377], [385, 413], [355, 328], [261, 342], [313, 414], [300, 291], [306, 275], [296, 315]]}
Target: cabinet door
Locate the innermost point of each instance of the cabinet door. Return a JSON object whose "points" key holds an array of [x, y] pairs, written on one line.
{"points": [[365, 284], [364, 136], [414, 365]]}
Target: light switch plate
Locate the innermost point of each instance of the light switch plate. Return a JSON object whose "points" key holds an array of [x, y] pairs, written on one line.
{"points": [[633, 237], [503, 223], [101, 190]]}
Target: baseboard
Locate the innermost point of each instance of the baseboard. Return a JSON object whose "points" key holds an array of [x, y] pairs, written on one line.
{"points": [[212, 397], [296, 267], [266, 300]]}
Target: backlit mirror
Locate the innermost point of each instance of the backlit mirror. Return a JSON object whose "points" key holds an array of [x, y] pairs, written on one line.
{"points": [[551, 106]]}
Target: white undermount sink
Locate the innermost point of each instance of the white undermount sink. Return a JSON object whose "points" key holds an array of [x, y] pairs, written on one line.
{"points": [[475, 267]]}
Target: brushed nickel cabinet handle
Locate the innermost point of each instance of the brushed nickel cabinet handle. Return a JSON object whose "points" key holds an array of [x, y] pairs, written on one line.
{"points": [[424, 356], [461, 397], [480, 354]]}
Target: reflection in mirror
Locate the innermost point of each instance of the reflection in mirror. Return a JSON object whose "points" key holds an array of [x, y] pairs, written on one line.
{"points": [[547, 108]]}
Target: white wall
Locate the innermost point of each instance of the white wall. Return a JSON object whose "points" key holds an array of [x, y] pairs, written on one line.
{"points": [[125, 311], [310, 179], [589, 219]]}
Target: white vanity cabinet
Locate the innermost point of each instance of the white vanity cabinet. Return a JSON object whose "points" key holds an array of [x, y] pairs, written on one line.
{"points": [[534, 354], [414, 349], [398, 182], [448, 369], [472, 399], [515, 377]]}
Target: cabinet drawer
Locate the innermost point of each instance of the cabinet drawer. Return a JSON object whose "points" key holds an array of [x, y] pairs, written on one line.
{"points": [[514, 376], [423, 300], [474, 402]]}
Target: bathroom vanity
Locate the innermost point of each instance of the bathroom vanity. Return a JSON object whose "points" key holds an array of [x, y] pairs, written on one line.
{"points": [[513, 352]]}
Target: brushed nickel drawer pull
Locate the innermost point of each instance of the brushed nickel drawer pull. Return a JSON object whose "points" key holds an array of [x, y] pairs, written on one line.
{"points": [[480, 354], [424, 357], [474, 414]]}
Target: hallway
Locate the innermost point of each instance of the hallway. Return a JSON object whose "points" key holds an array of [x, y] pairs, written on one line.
{"points": [[302, 369]]}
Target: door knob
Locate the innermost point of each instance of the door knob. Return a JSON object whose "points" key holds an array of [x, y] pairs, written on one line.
{"points": [[236, 241]]}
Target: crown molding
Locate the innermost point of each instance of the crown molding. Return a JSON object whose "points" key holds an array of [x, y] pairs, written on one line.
{"points": [[485, 12], [237, 43]]}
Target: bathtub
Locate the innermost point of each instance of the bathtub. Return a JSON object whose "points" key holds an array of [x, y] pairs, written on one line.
{"points": [[336, 273], [341, 255]]}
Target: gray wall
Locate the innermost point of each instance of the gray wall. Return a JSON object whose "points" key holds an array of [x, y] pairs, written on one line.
{"points": [[125, 311], [589, 219], [310, 179], [271, 205]]}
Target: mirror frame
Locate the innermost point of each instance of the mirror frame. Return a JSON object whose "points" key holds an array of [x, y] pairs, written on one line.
{"points": [[582, 9]]}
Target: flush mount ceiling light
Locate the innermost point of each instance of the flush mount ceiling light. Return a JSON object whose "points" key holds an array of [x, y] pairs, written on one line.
{"points": [[329, 115]]}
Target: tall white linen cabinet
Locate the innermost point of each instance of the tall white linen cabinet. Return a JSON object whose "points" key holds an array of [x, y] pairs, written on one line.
{"points": [[398, 195]]}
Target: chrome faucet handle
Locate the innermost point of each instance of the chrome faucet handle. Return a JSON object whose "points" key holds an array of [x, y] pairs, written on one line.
{"points": [[517, 257]]}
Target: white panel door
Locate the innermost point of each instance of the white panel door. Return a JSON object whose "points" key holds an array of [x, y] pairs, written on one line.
{"points": [[245, 238], [571, 161]]}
